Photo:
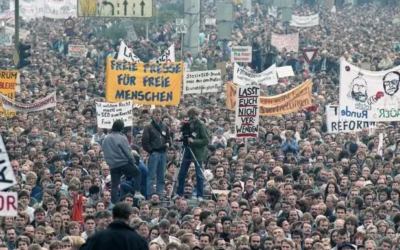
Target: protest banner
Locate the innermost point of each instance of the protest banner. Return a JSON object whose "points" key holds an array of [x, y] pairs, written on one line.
{"points": [[7, 177], [242, 76], [241, 54], [222, 66], [369, 95], [8, 204], [144, 83], [290, 42], [77, 50], [247, 111], [211, 21], [202, 82], [294, 100], [273, 11], [6, 39], [167, 56], [49, 101], [335, 125], [284, 71], [8, 82], [127, 54], [108, 112], [54, 9], [304, 21]]}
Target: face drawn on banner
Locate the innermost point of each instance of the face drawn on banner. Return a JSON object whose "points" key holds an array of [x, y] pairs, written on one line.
{"points": [[369, 95], [289, 42], [144, 83]]}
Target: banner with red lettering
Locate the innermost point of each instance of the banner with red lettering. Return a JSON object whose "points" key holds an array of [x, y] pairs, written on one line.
{"points": [[42, 104]]}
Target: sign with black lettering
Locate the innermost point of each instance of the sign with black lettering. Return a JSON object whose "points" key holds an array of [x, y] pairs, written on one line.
{"points": [[336, 125], [247, 110], [7, 177]]}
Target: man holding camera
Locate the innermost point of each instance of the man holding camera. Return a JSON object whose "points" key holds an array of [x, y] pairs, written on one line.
{"points": [[195, 150]]}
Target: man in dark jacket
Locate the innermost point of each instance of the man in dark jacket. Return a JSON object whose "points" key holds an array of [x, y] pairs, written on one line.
{"points": [[118, 235], [195, 151], [119, 158], [155, 140]]}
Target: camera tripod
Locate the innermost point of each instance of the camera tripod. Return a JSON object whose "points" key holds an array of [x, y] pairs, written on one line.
{"points": [[176, 175]]}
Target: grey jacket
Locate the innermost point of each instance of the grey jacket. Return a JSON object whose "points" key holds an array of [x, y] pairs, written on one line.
{"points": [[117, 151], [155, 138]]}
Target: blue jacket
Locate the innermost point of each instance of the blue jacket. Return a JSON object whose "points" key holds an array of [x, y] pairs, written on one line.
{"points": [[290, 147]]}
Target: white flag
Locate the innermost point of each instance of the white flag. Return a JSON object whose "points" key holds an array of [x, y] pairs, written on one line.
{"points": [[126, 54]]}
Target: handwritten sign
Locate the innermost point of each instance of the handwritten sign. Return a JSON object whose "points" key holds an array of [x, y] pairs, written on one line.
{"points": [[167, 56], [247, 111], [284, 71], [289, 42], [241, 54], [127, 54], [335, 125], [243, 76], [294, 100], [49, 101], [77, 50], [202, 82], [144, 83], [107, 113], [211, 21], [8, 81]]}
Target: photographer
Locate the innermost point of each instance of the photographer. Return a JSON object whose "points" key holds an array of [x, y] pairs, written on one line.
{"points": [[195, 141]]}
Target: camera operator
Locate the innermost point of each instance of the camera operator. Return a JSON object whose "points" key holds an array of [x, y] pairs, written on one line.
{"points": [[195, 150]]}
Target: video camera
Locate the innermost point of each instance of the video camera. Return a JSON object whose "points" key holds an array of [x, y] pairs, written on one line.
{"points": [[185, 130]]}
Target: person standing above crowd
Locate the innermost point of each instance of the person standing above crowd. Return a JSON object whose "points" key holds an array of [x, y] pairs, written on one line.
{"points": [[155, 141], [118, 155]]}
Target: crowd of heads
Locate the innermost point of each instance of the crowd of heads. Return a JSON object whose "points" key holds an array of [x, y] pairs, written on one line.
{"points": [[294, 187]]}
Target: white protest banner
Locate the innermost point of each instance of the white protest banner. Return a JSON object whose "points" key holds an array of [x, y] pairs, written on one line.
{"points": [[284, 71], [6, 39], [77, 50], [304, 21], [54, 9], [7, 177], [23, 33], [41, 104], [7, 14], [369, 95], [273, 11], [290, 42], [108, 112], [241, 54], [127, 54], [202, 82], [167, 56], [242, 76], [8, 203], [247, 110], [335, 125], [211, 21]]}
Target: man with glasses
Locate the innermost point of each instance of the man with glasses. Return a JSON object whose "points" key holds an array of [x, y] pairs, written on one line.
{"points": [[391, 87]]}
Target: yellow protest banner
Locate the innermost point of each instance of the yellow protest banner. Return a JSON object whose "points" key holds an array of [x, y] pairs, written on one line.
{"points": [[288, 102], [8, 81], [144, 83]]}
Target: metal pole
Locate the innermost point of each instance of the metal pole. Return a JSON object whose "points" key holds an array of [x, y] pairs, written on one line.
{"points": [[147, 29], [16, 33]]}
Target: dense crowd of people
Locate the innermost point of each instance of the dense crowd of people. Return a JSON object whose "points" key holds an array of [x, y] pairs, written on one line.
{"points": [[294, 187]]}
